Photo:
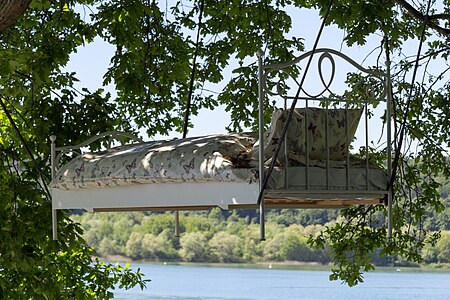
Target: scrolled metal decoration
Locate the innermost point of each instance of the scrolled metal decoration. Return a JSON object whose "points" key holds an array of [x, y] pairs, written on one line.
{"points": [[275, 83], [328, 56]]}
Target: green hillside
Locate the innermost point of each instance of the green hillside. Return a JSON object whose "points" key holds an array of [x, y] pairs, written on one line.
{"points": [[233, 236]]}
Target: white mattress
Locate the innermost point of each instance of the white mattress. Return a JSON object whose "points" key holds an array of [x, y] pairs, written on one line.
{"points": [[216, 158]]}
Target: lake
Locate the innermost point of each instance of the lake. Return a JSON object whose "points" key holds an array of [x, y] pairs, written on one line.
{"points": [[174, 282]]}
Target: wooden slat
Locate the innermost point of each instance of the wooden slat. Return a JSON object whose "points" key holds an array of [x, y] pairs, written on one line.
{"points": [[269, 203], [167, 208]]}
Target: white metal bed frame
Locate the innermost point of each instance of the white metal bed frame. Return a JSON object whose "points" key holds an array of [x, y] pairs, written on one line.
{"points": [[326, 54], [233, 195]]}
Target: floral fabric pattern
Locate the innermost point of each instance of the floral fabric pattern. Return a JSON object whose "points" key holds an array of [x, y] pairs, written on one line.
{"points": [[208, 158], [224, 158], [308, 130]]}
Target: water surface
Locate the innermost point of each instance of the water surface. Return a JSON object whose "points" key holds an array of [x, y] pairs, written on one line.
{"points": [[172, 282]]}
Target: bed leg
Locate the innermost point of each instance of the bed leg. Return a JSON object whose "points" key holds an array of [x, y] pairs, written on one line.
{"points": [[262, 220], [55, 224], [177, 224], [389, 209]]}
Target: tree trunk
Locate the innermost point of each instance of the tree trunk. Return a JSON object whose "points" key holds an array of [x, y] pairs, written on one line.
{"points": [[10, 11]]}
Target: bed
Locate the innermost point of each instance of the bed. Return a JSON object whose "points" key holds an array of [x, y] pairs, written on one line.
{"points": [[315, 169]]}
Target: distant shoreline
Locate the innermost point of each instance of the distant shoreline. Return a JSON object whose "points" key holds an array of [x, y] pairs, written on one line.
{"points": [[277, 265]]}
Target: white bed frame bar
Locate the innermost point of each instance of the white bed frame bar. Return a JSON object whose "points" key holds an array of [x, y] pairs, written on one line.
{"points": [[227, 195]]}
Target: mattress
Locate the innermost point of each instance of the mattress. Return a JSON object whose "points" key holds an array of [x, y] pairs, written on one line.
{"points": [[218, 158], [215, 158]]}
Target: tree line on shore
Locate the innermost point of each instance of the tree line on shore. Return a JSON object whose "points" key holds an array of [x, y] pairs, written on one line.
{"points": [[233, 236]]}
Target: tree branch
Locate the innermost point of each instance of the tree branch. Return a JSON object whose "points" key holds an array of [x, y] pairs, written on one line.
{"points": [[27, 150], [10, 11], [427, 19], [440, 17]]}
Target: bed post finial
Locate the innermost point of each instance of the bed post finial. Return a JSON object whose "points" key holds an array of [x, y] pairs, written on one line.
{"points": [[260, 53]]}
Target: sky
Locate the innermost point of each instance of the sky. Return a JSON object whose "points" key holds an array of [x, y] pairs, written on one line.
{"points": [[91, 62]]}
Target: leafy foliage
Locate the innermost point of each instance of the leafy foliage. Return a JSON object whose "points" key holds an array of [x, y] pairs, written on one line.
{"points": [[421, 131], [151, 65], [151, 69], [31, 262], [40, 100]]}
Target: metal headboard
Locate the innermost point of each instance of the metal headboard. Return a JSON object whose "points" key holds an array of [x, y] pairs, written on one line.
{"points": [[326, 95]]}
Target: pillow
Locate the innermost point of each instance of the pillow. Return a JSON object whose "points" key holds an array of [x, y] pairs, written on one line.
{"points": [[316, 130]]}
